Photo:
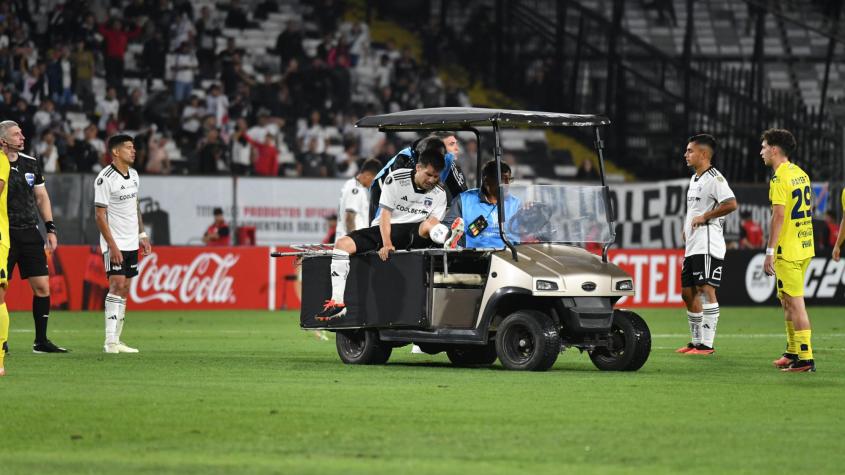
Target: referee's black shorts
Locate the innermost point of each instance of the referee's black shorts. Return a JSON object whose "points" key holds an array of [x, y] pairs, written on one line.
{"points": [[404, 236], [27, 252]]}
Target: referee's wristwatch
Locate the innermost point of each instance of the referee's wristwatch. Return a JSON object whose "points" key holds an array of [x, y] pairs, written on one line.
{"points": [[50, 227]]}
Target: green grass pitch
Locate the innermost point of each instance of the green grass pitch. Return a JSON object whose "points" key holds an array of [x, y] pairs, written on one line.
{"points": [[249, 392]]}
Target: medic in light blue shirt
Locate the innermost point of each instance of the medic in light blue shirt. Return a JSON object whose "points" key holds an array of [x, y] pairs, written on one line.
{"points": [[478, 208]]}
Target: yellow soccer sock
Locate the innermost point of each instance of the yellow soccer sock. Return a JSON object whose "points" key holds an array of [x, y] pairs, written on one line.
{"points": [[802, 341], [791, 347], [4, 331]]}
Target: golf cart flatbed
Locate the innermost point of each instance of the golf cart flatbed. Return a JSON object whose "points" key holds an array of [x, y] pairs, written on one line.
{"points": [[523, 304]]}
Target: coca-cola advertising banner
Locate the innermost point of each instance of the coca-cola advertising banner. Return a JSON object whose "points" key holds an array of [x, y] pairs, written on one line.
{"points": [[175, 278], [171, 278]]}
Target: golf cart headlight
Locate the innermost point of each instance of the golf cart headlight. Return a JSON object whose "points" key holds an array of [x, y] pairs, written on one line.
{"points": [[546, 285], [625, 285]]}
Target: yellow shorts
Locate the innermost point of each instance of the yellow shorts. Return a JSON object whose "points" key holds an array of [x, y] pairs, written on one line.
{"points": [[790, 277], [4, 266]]}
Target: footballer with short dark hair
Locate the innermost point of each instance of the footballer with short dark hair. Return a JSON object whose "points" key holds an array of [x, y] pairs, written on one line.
{"points": [[412, 203], [709, 200], [121, 233]]}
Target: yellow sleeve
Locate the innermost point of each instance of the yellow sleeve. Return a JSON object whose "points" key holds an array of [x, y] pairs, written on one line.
{"points": [[843, 200], [778, 194], [5, 167]]}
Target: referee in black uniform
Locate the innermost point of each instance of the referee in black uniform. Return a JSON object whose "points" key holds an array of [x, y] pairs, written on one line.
{"points": [[27, 199]]}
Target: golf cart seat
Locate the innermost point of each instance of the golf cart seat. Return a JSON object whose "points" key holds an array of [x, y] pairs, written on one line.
{"points": [[473, 280]]}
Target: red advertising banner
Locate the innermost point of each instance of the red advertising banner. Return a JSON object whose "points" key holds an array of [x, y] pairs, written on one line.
{"points": [[656, 273], [175, 278], [203, 278], [171, 278]]}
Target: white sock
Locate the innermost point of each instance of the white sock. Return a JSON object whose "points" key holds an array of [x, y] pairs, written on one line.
{"points": [[112, 316], [695, 327], [340, 271], [121, 315], [708, 323]]}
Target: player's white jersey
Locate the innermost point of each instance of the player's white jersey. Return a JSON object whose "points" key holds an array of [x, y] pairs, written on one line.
{"points": [[119, 194], [406, 202], [705, 193], [354, 197]]}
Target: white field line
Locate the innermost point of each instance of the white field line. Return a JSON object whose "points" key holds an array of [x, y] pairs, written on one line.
{"points": [[814, 348], [654, 335], [747, 335], [25, 330]]}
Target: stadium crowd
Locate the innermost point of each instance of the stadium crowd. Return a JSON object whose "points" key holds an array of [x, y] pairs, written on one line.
{"points": [[195, 100]]}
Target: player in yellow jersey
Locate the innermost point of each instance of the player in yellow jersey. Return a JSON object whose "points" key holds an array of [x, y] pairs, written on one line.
{"points": [[4, 258], [837, 248], [790, 245]]}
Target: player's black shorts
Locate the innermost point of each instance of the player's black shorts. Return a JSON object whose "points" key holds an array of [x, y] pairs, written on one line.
{"points": [[701, 269], [404, 236], [27, 252], [128, 268]]}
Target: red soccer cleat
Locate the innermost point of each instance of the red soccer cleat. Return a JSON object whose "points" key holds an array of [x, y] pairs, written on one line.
{"points": [[701, 350], [331, 310], [801, 366], [785, 360], [686, 348]]}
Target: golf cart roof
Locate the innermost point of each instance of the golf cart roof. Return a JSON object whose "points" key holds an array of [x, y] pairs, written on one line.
{"points": [[456, 118]]}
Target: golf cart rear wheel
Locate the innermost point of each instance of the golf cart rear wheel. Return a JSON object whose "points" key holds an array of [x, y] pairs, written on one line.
{"points": [[472, 355], [630, 344], [361, 346], [528, 340]]}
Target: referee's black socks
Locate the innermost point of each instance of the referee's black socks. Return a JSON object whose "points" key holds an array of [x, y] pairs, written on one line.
{"points": [[41, 314]]}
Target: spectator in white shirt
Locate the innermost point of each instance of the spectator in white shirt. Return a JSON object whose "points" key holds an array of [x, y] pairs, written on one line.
{"points": [[383, 72], [192, 114], [266, 125], [45, 116], [241, 150], [108, 108], [315, 131], [45, 149], [217, 104], [182, 66]]}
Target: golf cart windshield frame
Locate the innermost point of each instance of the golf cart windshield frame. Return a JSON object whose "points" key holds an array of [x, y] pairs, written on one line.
{"points": [[471, 118]]}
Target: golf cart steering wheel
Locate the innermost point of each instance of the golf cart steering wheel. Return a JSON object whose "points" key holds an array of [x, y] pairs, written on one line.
{"points": [[531, 220]]}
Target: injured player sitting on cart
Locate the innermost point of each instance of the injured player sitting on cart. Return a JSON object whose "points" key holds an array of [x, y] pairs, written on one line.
{"points": [[411, 206]]}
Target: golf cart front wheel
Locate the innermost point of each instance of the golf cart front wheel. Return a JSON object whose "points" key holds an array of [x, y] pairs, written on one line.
{"points": [[630, 344], [528, 340], [361, 346]]}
